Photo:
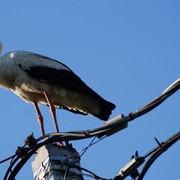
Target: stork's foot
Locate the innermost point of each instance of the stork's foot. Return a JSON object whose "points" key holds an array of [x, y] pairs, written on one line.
{"points": [[60, 144]]}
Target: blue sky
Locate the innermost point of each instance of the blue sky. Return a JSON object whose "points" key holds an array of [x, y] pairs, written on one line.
{"points": [[127, 51]]}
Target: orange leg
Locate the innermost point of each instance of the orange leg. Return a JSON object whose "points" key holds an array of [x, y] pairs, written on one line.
{"points": [[53, 112], [40, 118]]}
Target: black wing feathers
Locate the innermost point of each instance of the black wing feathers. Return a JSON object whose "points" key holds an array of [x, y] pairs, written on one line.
{"points": [[60, 78], [67, 79]]}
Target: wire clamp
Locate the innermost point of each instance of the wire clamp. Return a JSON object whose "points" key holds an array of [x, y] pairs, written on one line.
{"points": [[30, 140], [21, 152]]}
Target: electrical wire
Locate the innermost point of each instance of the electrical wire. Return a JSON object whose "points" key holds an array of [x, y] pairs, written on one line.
{"points": [[159, 150], [86, 148], [7, 159], [23, 156], [154, 154], [91, 144]]}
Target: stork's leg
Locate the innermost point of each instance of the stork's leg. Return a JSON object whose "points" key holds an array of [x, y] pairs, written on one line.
{"points": [[53, 111], [40, 118]]}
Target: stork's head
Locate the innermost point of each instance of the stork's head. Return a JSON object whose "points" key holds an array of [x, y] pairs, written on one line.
{"points": [[0, 47]]}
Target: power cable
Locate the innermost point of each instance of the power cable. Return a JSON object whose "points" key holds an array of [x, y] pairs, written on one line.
{"points": [[159, 150], [116, 124]]}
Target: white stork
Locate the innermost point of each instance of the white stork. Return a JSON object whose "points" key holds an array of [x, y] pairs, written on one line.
{"points": [[42, 80]]}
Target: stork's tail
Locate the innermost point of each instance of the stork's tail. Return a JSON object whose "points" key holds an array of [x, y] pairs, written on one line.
{"points": [[106, 110]]}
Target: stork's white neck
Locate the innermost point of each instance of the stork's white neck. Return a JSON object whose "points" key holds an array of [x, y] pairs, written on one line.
{"points": [[7, 72]]}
